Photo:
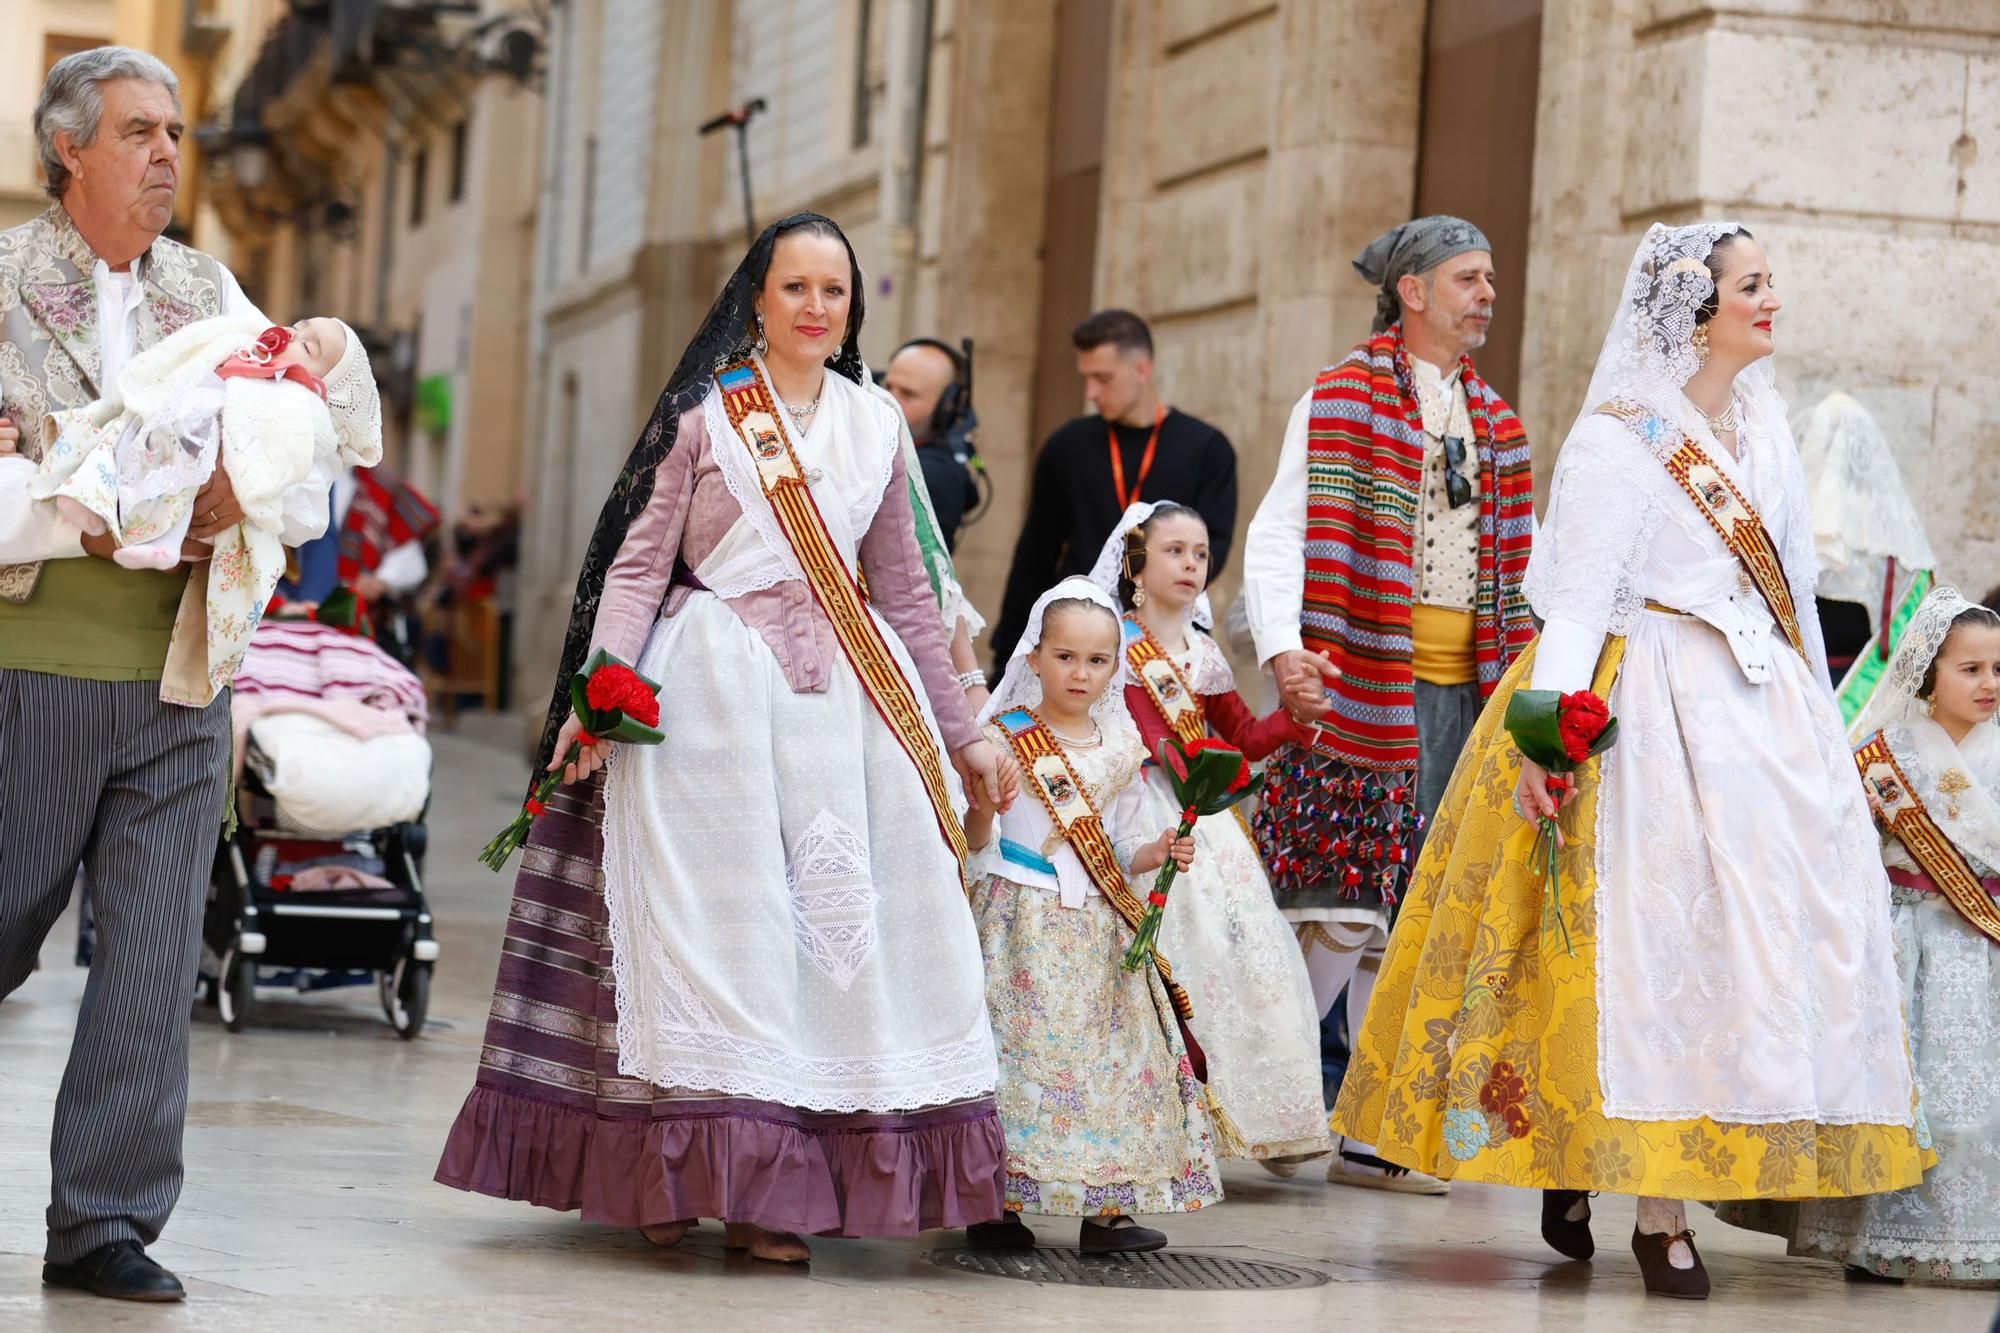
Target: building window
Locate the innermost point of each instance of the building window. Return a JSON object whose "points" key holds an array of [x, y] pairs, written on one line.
{"points": [[420, 175], [458, 136], [56, 45]]}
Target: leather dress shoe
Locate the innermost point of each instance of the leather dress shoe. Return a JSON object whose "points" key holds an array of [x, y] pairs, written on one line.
{"points": [[1118, 1235], [120, 1271], [1570, 1239], [1009, 1233]]}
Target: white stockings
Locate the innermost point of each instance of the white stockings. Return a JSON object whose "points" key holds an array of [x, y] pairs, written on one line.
{"points": [[1667, 1217]]}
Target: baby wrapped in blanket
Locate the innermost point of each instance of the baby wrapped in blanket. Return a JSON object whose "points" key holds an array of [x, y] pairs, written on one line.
{"points": [[228, 391]]}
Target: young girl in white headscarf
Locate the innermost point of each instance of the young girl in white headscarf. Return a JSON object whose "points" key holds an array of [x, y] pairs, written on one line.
{"points": [[1099, 1095], [1930, 762], [1253, 1001]]}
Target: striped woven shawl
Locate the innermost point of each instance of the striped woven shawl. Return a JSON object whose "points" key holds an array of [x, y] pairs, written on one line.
{"points": [[1365, 475]]}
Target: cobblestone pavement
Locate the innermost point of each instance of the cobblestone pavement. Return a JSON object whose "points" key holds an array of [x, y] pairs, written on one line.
{"points": [[312, 1137]]}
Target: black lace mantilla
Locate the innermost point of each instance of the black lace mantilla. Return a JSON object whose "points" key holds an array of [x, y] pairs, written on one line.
{"points": [[725, 336]]}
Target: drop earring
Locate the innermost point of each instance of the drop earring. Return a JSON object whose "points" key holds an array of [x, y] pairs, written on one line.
{"points": [[1700, 341], [1138, 597], [763, 343]]}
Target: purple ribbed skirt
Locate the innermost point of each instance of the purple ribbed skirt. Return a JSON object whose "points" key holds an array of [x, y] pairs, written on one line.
{"points": [[552, 1122]]}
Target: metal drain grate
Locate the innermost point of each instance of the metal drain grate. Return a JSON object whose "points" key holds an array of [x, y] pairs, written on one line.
{"points": [[1162, 1270]]}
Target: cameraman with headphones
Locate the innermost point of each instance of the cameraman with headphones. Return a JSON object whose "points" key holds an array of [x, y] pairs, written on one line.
{"points": [[932, 380]]}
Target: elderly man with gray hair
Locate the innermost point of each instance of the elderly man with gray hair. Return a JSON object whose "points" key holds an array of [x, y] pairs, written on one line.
{"points": [[1382, 574], [99, 771]]}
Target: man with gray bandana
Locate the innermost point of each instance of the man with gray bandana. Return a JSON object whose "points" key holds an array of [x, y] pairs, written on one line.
{"points": [[99, 770], [1382, 575]]}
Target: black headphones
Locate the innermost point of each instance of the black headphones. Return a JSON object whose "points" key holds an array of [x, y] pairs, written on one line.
{"points": [[952, 402]]}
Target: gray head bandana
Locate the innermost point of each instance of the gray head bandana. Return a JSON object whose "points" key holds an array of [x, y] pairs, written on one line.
{"points": [[1417, 246]]}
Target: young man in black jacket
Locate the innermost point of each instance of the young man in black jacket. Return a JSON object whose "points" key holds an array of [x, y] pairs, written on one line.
{"points": [[1133, 447]]}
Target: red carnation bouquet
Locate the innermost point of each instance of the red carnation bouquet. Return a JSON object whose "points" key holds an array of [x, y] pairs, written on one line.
{"points": [[1562, 733], [613, 703], [1208, 778]]}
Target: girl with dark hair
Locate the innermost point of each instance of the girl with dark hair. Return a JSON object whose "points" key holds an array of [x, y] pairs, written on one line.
{"points": [[1930, 763], [1254, 1013], [1100, 1090], [740, 979]]}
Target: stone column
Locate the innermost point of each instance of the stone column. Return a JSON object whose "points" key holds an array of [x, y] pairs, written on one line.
{"points": [[980, 241], [1252, 150]]}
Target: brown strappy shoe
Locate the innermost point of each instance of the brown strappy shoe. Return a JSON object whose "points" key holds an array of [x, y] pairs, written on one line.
{"points": [[1661, 1277]]}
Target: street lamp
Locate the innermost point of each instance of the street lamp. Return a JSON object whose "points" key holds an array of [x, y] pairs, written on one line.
{"points": [[250, 156]]}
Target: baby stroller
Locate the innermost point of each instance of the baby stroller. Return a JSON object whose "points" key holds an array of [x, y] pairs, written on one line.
{"points": [[321, 884]]}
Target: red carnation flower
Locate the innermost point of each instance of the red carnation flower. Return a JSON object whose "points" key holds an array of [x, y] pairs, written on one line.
{"points": [[619, 687], [1581, 719]]}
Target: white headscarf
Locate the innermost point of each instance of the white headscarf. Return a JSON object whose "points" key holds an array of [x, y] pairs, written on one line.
{"points": [[1606, 500], [1020, 687], [1649, 353], [356, 404], [1967, 812], [1861, 511], [1212, 673], [1111, 562]]}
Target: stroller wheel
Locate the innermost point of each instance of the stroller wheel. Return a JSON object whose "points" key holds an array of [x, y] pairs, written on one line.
{"points": [[406, 996], [238, 990]]}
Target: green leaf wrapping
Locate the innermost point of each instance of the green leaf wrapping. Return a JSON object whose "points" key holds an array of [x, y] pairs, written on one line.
{"points": [[1201, 780], [1533, 720]]}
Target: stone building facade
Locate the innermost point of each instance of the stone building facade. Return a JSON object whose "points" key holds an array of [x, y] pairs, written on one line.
{"points": [[39, 33], [1215, 164], [379, 166]]}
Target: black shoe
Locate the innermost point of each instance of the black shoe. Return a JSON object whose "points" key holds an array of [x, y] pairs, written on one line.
{"points": [[1856, 1273], [1009, 1233], [1661, 1277], [1120, 1235], [120, 1271], [1569, 1239]]}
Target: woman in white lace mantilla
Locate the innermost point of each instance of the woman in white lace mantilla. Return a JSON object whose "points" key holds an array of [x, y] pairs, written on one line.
{"points": [[1727, 1024], [1935, 714]]}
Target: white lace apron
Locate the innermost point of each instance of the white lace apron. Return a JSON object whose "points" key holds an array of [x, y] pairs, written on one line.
{"points": [[786, 922]]}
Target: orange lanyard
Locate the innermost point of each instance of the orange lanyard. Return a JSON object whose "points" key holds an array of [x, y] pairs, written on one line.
{"points": [[1145, 462]]}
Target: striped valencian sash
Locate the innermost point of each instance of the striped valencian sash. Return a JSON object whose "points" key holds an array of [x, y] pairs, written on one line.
{"points": [[753, 414], [1179, 706], [1055, 782], [1903, 810], [1729, 512]]}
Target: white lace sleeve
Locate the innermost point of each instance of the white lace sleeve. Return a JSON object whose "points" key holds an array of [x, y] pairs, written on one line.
{"points": [[1604, 510], [1125, 821]]}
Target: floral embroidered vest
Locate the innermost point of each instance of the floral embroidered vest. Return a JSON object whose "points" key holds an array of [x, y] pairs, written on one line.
{"points": [[48, 328]]}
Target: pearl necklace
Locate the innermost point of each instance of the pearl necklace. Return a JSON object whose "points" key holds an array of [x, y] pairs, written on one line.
{"points": [[1090, 742], [1725, 423]]}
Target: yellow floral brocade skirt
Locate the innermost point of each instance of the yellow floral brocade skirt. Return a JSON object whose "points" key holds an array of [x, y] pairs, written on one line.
{"points": [[1477, 1059]]}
